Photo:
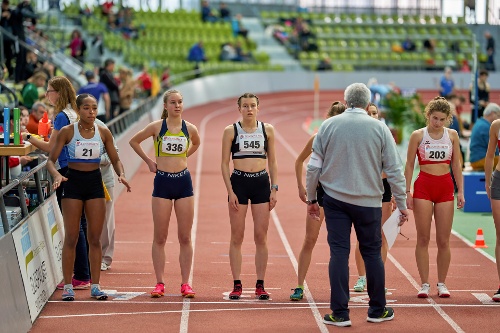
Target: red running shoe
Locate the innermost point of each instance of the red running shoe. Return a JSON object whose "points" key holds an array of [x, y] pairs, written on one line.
{"points": [[187, 291], [236, 293], [158, 291], [261, 293]]}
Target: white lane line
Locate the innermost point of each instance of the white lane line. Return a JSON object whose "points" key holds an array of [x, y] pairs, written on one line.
{"points": [[138, 242], [466, 241], [415, 284], [278, 308], [110, 273]]}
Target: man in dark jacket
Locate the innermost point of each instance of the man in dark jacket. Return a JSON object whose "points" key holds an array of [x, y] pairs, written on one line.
{"points": [[106, 77]]}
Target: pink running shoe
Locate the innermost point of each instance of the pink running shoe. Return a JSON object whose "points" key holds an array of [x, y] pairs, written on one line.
{"points": [[187, 291], [158, 291], [260, 293], [77, 284]]}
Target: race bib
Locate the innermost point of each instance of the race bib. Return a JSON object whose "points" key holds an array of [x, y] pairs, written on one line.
{"points": [[87, 150], [252, 142], [437, 152], [174, 144]]}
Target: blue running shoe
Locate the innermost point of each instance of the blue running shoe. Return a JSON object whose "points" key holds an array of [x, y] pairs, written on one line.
{"points": [[298, 294], [68, 294], [98, 294]]}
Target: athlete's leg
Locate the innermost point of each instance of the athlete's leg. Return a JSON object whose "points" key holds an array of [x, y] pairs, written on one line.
{"points": [[260, 214], [95, 212], [72, 212], [495, 207], [237, 220], [162, 208], [312, 232], [422, 211], [184, 211]]}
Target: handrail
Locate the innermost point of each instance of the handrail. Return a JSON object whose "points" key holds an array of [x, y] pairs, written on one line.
{"points": [[18, 182], [16, 101]]}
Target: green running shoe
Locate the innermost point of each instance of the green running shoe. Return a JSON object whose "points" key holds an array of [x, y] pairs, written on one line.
{"points": [[360, 285]]}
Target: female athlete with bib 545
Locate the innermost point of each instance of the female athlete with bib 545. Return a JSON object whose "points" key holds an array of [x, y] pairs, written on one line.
{"points": [[433, 192], [175, 140], [250, 143]]}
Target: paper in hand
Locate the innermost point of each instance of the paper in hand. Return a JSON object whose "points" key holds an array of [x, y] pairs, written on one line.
{"points": [[391, 228]]}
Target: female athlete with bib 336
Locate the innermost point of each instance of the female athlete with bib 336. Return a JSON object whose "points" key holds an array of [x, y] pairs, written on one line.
{"points": [[433, 192], [174, 140]]}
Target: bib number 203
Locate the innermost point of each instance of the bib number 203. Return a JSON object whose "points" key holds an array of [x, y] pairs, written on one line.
{"points": [[438, 155]]}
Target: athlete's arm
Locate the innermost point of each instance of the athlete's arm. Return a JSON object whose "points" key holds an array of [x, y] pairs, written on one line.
{"points": [[456, 166], [415, 138], [299, 163], [63, 138], [490, 155], [109, 145], [194, 137], [135, 143], [272, 163], [227, 139]]}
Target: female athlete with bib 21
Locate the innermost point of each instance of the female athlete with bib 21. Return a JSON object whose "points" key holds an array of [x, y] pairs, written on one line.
{"points": [[433, 192]]}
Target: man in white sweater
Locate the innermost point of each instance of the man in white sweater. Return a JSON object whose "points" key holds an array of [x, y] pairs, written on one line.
{"points": [[350, 152]]}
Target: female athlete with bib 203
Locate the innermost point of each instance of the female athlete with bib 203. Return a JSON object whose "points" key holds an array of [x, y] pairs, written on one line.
{"points": [[174, 140], [83, 188], [251, 145], [433, 192]]}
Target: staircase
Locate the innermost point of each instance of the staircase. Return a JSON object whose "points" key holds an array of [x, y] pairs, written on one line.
{"points": [[266, 43]]}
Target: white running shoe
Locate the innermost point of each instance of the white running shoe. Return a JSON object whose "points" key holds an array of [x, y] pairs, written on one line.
{"points": [[104, 266], [442, 290], [424, 291]]}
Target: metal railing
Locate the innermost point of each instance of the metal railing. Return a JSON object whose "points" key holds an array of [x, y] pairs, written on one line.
{"points": [[20, 183]]}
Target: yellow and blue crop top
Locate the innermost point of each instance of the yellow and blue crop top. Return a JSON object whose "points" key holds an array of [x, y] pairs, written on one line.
{"points": [[81, 150], [249, 145], [173, 145]]}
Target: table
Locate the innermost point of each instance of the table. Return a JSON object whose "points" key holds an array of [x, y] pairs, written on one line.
{"points": [[12, 150]]}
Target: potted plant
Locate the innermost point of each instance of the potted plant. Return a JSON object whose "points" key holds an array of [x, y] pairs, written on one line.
{"points": [[403, 112]]}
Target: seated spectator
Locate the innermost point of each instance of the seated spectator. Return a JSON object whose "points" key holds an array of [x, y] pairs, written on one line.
{"points": [[429, 45], [36, 114], [197, 53], [206, 12], [465, 66], [454, 47], [106, 7], [241, 55], [480, 137], [224, 12], [324, 64], [30, 92], [228, 52], [409, 45], [238, 28]]}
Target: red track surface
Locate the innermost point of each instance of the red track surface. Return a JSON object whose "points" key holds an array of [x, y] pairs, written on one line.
{"points": [[132, 269]]}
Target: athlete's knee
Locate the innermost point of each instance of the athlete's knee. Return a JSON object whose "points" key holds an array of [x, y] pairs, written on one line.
{"points": [[423, 241], [309, 243], [260, 239], [443, 243], [160, 240], [184, 240], [237, 240]]}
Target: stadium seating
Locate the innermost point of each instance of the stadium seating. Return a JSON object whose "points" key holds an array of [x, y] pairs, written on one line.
{"points": [[369, 41]]}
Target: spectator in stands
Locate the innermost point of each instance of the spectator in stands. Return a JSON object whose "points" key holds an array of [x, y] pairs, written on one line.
{"points": [[37, 111], [100, 93], [165, 78], [206, 12], [77, 46], [197, 53], [483, 94], [447, 83], [30, 92], [32, 65], [106, 77], [25, 117], [106, 7], [490, 51], [8, 43], [429, 45], [127, 89], [224, 12], [325, 64], [241, 55], [228, 52], [238, 28], [95, 51], [144, 81], [409, 45], [22, 12], [480, 137]]}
